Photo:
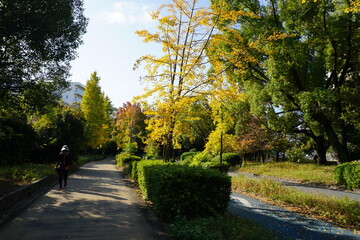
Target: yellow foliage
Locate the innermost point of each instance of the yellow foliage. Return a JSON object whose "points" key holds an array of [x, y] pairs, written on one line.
{"points": [[278, 36], [304, 1], [354, 6]]}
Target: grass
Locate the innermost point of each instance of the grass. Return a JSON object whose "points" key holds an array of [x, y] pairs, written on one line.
{"points": [[343, 212], [217, 228], [304, 172], [26, 173]]}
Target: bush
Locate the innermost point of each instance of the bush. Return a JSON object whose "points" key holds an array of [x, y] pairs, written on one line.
{"points": [[339, 173], [133, 170], [348, 174], [131, 148], [16, 139], [187, 191], [202, 157], [232, 158], [224, 167], [217, 228], [187, 156], [140, 175], [126, 158]]}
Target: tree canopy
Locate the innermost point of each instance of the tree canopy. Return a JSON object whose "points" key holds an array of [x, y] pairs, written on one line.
{"points": [[38, 39], [180, 73], [298, 62], [96, 108]]}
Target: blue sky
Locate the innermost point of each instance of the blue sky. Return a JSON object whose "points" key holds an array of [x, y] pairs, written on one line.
{"points": [[111, 46]]}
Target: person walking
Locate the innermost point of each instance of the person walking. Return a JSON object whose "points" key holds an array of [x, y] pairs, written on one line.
{"points": [[62, 166]]}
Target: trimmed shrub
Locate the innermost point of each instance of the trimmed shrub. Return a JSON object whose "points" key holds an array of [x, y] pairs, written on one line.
{"points": [[224, 167], [202, 157], [348, 174], [191, 192], [352, 175], [133, 170], [187, 156], [126, 158], [232, 158], [141, 177], [339, 173]]}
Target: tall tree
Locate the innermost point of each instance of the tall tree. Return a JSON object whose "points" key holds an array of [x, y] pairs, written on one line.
{"points": [[130, 125], [200, 123], [95, 107], [180, 72], [38, 39], [60, 125], [222, 100], [297, 62]]}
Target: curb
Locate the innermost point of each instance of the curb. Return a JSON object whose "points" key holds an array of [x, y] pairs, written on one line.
{"points": [[14, 202]]}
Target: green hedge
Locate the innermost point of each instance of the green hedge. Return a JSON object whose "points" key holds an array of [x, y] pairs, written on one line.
{"points": [[141, 177], [348, 174], [232, 158], [126, 158], [187, 156], [181, 190]]}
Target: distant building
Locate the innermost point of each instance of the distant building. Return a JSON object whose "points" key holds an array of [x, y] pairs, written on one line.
{"points": [[74, 93]]}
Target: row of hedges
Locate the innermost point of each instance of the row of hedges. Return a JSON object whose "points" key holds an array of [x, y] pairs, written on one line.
{"points": [[178, 190], [205, 160], [348, 174]]}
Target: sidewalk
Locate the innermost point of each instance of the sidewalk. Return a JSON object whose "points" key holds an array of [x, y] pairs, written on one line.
{"points": [[97, 204]]}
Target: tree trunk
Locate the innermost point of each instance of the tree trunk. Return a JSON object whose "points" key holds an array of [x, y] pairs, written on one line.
{"points": [[167, 153], [221, 148], [340, 149], [321, 150]]}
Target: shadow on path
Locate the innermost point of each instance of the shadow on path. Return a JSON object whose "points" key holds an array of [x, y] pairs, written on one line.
{"points": [[97, 204]]}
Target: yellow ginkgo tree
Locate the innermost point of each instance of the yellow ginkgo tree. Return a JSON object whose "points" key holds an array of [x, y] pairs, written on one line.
{"points": [[176, 78], [223, 100]]}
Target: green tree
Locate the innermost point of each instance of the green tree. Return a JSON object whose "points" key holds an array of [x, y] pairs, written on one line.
{"points": [[16, 137], [200, 123], [59, 126], [96, 108], [38, 40], [296, 61]]}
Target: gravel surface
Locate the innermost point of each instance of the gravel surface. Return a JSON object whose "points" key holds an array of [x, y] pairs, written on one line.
{"points": [[286, 224]]}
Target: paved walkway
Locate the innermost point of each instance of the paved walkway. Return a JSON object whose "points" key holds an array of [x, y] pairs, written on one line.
{"points": [[97, 204]]}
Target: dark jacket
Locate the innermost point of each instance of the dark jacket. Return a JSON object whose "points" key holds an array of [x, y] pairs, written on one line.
{"points": [[63, 163]]}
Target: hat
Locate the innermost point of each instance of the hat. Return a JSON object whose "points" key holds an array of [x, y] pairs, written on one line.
{"points": [[65, 148]]}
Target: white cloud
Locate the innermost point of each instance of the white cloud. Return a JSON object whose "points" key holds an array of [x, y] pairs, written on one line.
{"points": [[127, 13]]}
